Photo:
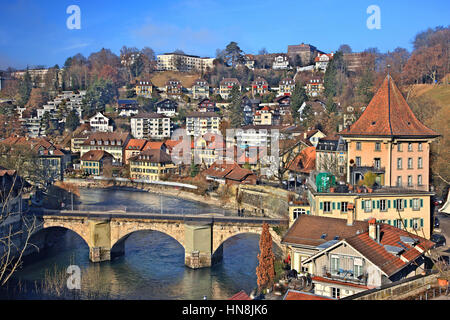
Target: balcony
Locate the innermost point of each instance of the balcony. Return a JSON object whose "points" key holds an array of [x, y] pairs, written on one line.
{"points": [[344, 276]]}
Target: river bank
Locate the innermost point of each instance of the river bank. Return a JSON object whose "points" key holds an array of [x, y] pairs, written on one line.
{"points": [[177, 192]]}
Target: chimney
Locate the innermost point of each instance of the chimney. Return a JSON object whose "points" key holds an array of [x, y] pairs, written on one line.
{"points": [[373, 229], [350, 218]]}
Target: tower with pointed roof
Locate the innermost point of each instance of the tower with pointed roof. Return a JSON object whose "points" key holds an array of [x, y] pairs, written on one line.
{"points": [[389, 141]]}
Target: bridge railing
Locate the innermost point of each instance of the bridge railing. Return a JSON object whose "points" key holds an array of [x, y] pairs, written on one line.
{"points": [[206, 218]]}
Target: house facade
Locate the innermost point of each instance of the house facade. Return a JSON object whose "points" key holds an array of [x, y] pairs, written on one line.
{"points": [[200, 89], [226, 85], [112, 142], [151, 165], [167, 107], [286, 87], [260, 86], [144, 88], [93, 162], [100, 123], [280, 62]]}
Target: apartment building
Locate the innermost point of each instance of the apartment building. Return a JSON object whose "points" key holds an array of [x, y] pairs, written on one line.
{"points": [[151, 126], [259, 86], [144, 88], [199, 123], [183, 62], [226, 85], [151, 165], [200, 89], [112, 142]]}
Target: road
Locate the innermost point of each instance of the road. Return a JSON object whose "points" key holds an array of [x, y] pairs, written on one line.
{"points": [[444, 229]]}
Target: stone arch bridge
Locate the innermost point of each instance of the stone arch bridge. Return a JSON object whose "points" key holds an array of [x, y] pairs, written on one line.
{"points": [[202, 236]]}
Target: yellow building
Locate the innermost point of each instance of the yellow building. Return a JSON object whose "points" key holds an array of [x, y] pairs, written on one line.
{"points": [[93, 162], [405, 209], [144, 88], [151, 165]]}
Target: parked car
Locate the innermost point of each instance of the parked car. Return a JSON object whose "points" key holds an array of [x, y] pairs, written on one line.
{"points": [[438, 239], [436, 222], [437, 201]]}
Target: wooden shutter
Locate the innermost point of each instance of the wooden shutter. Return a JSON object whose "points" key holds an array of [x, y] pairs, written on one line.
{"points": [[421, 203], [321, 206], [389, 204]]}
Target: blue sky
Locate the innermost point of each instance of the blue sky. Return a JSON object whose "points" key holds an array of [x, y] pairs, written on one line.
{"points": [[35, 32]]}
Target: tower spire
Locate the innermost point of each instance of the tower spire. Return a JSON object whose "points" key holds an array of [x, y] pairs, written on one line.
{"points": [[389, 96]]}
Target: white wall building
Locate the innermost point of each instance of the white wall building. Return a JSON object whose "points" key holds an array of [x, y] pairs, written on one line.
{"points": [[150, 125], [100, 123]]}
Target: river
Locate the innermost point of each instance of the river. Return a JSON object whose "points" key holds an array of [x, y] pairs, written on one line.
{"points": [[153, 264]]}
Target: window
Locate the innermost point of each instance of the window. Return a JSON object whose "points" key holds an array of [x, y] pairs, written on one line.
{"points": [[410, 181], [297, 212], [377, 163], [334, 264], [410, 147], [398, 204], [358, 267], [344, 207], [415, 223], [358, 161], [399, 181], [377, 146], [419, 180], [358, 146], [416, 204], [383, 206], [410, 163], [399, 163], [367, 205], [420, 146], [420, 163], [327, 206], [399, 147], [400, 224], [336, 293]]}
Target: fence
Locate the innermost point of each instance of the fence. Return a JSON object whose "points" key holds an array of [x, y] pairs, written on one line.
{"points": [[399, 290]]}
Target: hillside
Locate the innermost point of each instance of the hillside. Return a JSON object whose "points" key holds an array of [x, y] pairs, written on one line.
{"points": [[159, 79]]}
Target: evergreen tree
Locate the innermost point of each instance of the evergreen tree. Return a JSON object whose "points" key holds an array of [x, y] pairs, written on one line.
{"points": [[298, 97], [334, 75], [25, 88], [233, 54], [72, 121], [265, 271], [236, 111], [100, 93]]}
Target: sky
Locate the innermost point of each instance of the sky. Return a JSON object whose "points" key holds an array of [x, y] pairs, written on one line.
{"points": [[36, 33]]}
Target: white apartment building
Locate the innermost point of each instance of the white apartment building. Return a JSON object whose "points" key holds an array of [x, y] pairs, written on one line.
{"points": [[150, 125], [184, 62], [198, 123], [100, 123]]}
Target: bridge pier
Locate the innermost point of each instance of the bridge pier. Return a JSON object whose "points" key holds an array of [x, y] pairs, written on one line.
{"points": [[198, 245], [100, 240]]}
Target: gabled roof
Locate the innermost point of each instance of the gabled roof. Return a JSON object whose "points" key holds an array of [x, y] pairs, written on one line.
{"points": [[241, 295], [96, 155], [136, 144], [152, 155], [305, 162], [378, 254], [309, 230], [388, 114]]}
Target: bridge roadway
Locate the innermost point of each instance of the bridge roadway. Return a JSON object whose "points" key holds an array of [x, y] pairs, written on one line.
{"points": [[201, 235]]}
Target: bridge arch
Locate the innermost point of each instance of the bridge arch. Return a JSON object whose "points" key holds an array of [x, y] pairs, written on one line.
{"points": [[78, 226], [223, 233], [121, 229]]}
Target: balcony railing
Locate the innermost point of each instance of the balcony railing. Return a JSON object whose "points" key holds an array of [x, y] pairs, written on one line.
{"points": [[344, 276]]}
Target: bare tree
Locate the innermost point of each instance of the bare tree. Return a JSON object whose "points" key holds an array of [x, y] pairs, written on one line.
{"points": [[15, 227]]}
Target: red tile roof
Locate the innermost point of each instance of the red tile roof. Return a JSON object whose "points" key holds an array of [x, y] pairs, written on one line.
{"points": [[388, 114], [240, 296], [136, 144], [305, 162], [299, 295], [377, 253], [96, 155]]}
